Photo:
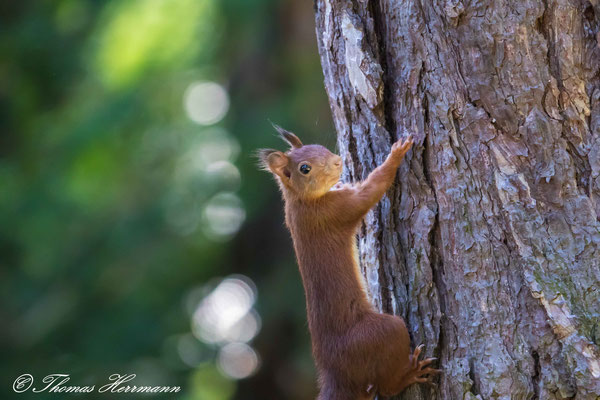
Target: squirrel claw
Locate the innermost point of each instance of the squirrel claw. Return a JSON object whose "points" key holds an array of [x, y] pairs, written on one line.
{"points": [[400, 147], [421, 372], [432, 385]]}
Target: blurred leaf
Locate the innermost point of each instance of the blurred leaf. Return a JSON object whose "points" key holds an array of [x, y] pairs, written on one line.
{"points": [[208, 384], [140, 35]]}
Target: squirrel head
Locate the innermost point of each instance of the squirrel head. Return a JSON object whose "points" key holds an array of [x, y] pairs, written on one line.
{"points": [[304, 171]]}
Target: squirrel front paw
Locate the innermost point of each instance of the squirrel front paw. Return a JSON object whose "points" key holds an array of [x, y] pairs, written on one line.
{"points": [[401, 147]]}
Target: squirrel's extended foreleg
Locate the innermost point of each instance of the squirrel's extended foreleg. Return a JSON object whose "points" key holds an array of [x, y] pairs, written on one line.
{"points": [[368, 192]]}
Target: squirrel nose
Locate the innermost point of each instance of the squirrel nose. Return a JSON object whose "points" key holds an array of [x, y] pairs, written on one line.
{"points": [[338, 161]]}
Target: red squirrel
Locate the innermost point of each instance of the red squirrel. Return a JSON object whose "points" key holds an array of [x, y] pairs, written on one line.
{"points": [[357, 351]]}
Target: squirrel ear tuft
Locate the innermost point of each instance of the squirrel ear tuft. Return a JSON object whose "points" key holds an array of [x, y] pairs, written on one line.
{"points": [[274, 161], [263, 156], [288, 136]]}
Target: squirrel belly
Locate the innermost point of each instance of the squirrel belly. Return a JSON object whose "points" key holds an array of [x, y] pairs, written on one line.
{"points": [[352, 344], [335, 292]]}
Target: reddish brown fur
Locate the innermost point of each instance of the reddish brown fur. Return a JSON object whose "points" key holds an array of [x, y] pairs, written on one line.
{"points": [[354, 347]]}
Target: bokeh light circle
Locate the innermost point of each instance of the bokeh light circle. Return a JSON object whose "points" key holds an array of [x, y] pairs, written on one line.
{"points": [[237, 360], [224, 214], [206, 103]]}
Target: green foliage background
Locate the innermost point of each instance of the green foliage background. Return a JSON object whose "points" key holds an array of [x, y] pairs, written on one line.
{"points": [[94, 273]]}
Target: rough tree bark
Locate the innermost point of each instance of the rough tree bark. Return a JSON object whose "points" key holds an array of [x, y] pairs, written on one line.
{"points": [[489, 244]]}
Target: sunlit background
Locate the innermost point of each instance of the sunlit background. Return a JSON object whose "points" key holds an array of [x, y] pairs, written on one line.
{"points": [[136, 233]]}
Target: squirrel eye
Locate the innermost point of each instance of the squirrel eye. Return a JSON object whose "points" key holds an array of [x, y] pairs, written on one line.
{"points": [[305, 168]]}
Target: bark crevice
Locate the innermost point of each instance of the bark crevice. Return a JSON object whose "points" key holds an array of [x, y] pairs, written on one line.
{"points": [[535, 378], [379, 31], [474, 389]]}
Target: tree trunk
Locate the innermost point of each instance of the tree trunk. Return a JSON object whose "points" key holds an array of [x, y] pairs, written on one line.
{"points": [[489, 244]]}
